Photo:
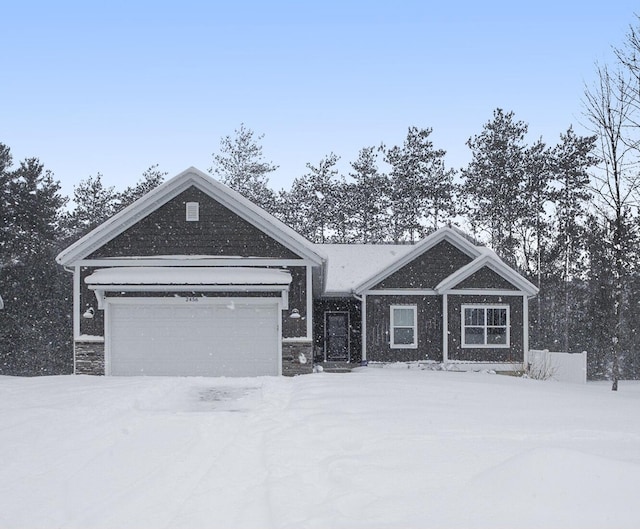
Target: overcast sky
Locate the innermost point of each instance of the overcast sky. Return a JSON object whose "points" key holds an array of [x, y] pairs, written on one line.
{"points": [[119, 86]]}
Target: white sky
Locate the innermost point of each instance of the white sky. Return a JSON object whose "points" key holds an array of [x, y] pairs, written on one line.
{"points": [[116, 88]]}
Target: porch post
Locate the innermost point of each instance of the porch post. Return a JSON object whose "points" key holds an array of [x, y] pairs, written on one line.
{"points": [[525, 331], [445, 329], [364, 328]]}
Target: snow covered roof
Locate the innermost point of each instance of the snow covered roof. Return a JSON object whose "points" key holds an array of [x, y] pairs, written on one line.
{"points": [[226, 196], [348, 265], [160, 275], [451, 235], [355, 268]]}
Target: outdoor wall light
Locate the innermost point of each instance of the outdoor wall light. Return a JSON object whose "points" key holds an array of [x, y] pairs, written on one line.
{"points": [[294, 314], [88, 314]]}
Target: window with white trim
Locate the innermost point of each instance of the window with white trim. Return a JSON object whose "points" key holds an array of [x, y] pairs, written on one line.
{"points": [[404, 326], [485, 326]]}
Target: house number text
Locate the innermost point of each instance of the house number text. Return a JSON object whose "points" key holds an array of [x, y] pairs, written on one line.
{"points": [[192, 300]]}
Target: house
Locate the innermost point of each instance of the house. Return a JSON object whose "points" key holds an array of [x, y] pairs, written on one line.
{"points": [[194, 279]]}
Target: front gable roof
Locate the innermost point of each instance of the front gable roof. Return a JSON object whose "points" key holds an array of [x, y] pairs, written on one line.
{"points": [[172, 188], [450, 235], [488, 259]]}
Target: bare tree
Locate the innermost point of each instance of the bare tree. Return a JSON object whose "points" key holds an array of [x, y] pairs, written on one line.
{"points": [[609, 107]]}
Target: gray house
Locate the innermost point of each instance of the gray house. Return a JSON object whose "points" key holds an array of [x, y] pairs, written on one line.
{"points": [[194, 279]]}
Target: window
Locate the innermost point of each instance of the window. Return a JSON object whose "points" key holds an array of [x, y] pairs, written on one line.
{"points": [[193, 211], [404, 320], [485, 326]]}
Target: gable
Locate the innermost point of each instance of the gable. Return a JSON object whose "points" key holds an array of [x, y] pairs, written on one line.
{"points": [[428, 269], [218, 232], [486, 278]]}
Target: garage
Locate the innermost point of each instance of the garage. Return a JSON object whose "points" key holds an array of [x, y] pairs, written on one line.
{"points": [[192, 321], [196, 336]]}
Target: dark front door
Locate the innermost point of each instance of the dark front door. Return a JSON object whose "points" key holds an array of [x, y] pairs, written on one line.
{"points": [[336, 329]]}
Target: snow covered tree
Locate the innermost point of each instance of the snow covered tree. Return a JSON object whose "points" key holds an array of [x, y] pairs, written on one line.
{"points": [[151, 179], [313, 200], [368, 197], [35, 325], [495, 180], [93, 204], [422, 189], [241, 166], [572, 160]]}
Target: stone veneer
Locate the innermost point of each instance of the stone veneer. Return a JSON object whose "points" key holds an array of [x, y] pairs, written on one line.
{"points": [[89, 358], [291, 352]]}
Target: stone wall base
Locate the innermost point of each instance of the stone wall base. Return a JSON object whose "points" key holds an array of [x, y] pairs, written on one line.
{"points": [[89, 358], [292, 353]]}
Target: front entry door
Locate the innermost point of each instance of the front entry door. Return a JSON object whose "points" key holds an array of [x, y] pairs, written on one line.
{"points": [[336, 329]]}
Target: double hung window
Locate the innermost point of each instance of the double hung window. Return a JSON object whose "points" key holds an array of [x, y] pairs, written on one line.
{"points": [[404, 324]]}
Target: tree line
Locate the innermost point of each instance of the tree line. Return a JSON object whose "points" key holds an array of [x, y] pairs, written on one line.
{"points": [[564, 214]]}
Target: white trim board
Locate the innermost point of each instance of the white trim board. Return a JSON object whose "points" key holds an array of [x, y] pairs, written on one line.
{"points": [[490, 260], [191, 261]]}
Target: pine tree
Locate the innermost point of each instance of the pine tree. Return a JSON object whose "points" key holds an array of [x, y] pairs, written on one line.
{"points": [[35, 325], [93, 204], [313, 199], [573, 159], [241, 166], [151, 179], [422, 189], [369, 198], [495, 181]]}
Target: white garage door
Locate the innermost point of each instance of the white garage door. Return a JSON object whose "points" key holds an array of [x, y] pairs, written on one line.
{"points": [[204, 338]]}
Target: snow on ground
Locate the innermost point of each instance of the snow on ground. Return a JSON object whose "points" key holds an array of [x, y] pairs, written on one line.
{"points": [[377, 448]]}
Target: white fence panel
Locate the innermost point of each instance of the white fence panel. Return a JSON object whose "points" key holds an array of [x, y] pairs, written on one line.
{"points": [[563, 367]]}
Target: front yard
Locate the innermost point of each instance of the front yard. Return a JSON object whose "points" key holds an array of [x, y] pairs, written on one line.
{"points": [[373, 448]]}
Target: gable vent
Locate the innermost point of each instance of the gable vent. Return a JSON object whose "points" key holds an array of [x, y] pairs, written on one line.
{"points": [[193, 211]]}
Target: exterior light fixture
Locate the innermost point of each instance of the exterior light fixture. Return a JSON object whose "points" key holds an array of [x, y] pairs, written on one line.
{"points": [[294, 314], [88, 314]]}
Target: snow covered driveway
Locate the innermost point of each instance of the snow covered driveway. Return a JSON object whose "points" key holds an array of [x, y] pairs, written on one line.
{"points": [[374, 448]]}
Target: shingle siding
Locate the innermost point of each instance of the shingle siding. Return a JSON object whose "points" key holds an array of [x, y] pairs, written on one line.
{"points": [[486, 278], [515, 353], [219, 231], [428, 269], [429, 329]]}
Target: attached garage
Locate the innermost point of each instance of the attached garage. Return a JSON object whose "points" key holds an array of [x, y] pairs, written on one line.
{"points": [[209, 337], [214, 321]]}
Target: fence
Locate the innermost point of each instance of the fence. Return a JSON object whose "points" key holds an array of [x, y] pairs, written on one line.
{"points": [[564, 367]]}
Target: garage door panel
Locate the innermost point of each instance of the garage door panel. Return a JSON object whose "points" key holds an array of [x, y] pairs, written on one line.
{"points": [[229, 339]]}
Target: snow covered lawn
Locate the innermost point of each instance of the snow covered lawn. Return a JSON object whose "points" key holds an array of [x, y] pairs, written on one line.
{"points": [[374, 448]]}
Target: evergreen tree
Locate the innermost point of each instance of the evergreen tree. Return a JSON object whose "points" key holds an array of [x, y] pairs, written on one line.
{"points": [[573, 159], [495, 181], [35, 325], [93, 204], [151, 179], [241, 166], [369, 199], [313, 199], [422, 189]]}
